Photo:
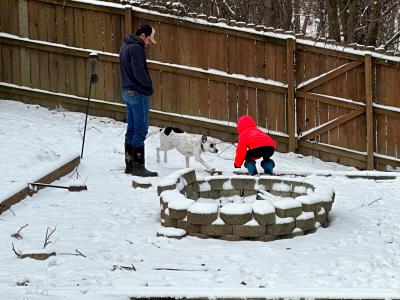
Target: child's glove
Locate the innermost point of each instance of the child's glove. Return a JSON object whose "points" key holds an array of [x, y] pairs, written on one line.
{"points": [[236, 166]]}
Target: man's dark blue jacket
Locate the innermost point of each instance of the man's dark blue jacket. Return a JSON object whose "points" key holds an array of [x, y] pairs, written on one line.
{"points": [[133, 66]]}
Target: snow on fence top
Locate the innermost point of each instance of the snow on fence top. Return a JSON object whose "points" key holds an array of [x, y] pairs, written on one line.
{"points": [[174, 13]]}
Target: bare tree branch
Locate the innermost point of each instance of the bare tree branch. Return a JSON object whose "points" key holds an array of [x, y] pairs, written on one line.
{"points": [[78, 253], [16, 253], [48, 235], [392, 39], [17, 234]]}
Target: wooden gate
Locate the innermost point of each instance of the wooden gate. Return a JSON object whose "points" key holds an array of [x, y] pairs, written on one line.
{"points": [[333, 104]]}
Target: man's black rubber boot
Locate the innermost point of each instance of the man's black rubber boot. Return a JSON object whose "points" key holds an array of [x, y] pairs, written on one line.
{"points": [[138, 165], [128, 159]]}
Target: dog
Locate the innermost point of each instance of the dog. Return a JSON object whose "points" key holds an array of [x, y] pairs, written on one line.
{"points": [[187, 144]]}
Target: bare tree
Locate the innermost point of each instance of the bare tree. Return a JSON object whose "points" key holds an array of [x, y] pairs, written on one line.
{"points": [[368, 22]]}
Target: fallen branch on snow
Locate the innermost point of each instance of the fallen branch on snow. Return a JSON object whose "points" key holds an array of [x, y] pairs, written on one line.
{"points": [[38, 256], [129, 268], [17, 235]]}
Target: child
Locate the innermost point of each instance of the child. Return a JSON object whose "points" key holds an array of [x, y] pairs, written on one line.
{"points": [[253, 144]]}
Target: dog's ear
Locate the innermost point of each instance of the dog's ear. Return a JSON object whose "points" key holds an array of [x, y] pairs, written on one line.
{"points": [[204, 139]]}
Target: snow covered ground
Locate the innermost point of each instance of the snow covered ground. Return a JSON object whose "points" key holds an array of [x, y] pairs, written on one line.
{"points": [[114, 225]]}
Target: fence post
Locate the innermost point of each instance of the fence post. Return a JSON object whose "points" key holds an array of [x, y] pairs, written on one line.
{"points": [[369, 112], [128, 20], [291, 119], [24, 32]]}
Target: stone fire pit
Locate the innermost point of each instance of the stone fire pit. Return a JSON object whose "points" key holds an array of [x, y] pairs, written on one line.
{"points": [[234, 208]]}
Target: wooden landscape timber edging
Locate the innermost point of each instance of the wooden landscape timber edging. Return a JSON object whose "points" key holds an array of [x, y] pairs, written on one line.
{"points": [[320, 98], [54, 175]]}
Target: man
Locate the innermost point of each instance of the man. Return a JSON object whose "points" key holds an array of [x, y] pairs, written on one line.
{"points": [[137, 89]]}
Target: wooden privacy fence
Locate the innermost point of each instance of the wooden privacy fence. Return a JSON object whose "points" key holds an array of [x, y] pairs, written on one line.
{"points": [[337, 105]]}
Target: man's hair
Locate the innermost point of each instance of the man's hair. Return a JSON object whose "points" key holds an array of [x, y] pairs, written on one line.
{"points": [[146, 29]]}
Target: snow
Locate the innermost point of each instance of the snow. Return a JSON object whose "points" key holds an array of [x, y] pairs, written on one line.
{"points": [[205, 186], [387, 107], [340, 99], [286, 203], [281, 187], [267, 196], [173, 177], [300, 189], [347, 50], [142, 180], [252, 222], [171, 195], [227, 185], [203, 208], [171, 231], [305, 216], [236, 209], [180, 204], [309, 199], [114, 224], [287, 220], [218, 221], [262, 207]]}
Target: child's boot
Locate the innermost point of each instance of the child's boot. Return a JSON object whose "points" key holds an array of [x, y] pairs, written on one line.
{"points": [[251, 167], [268, 166]]}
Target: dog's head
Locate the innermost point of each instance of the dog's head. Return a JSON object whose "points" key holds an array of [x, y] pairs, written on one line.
{"points": [[208, 145]]}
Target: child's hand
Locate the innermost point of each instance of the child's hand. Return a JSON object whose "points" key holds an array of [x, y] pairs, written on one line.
{"points": [[236, 166]]}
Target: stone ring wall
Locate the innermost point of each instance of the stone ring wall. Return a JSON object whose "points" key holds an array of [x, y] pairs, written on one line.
{"points": [[283, 208]]}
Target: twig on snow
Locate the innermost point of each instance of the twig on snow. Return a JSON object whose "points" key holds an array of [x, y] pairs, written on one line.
{"points": [[17, 234], [380, 198], [16, 253], [78, 253], [182, 270], [369, 204], [48, 235], [129, 268]]}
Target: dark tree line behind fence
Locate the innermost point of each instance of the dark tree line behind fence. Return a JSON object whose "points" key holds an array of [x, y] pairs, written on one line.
{"points": [[366, 22]]}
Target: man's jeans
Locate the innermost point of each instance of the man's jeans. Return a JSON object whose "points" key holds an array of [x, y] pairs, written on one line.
{"points": [[137, 112]]}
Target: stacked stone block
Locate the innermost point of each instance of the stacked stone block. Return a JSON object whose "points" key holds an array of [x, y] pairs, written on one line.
{"points": [[285, 208]]}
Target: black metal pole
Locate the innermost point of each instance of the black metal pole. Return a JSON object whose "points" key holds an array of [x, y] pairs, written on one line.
{"points": [[93, 79]]}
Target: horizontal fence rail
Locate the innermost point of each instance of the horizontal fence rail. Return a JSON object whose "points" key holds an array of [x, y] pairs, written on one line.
{"points": [[337, 105]]}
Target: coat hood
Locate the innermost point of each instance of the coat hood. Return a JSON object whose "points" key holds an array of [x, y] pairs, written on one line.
{"points": [[133, 39], [244, 123]]}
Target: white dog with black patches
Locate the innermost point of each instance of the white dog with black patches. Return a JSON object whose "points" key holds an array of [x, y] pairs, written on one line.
{"points": [[187, 144]]}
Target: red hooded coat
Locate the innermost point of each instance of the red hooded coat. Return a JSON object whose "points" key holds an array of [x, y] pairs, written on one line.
{"points": [[250, 137]]}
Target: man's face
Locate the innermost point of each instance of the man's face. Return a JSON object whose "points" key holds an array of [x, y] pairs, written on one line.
{"points": [[145, 39]]}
